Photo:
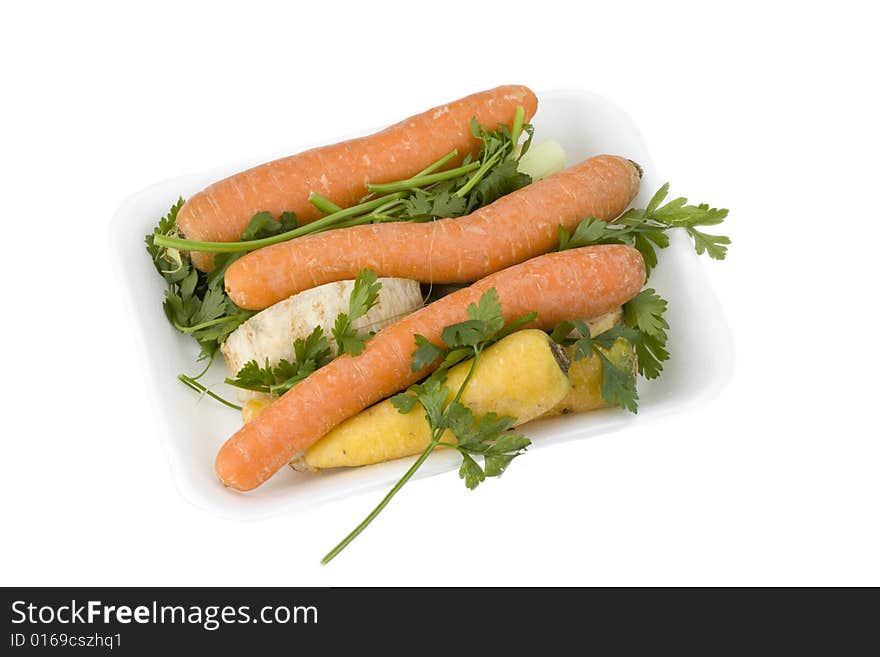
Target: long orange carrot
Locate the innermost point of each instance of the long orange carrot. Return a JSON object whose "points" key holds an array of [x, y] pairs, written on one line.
{"points": [[514, 228], [558, 286], [340, 171]]}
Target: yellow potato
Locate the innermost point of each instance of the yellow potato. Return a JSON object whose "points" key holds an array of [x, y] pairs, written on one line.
{"points": [[520, 376]]}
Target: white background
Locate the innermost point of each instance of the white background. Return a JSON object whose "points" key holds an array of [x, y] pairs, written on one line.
{"points": [[769, 109]]}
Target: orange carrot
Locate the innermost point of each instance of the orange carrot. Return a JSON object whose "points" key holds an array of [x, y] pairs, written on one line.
{"points": [[340, 171], [514, 228], [577, 283]]}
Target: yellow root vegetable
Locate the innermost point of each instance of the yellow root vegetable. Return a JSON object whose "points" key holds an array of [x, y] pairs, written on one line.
{"points": [[522, 375], [253, 407], [519, 376], [586, 379], [586, 374]]}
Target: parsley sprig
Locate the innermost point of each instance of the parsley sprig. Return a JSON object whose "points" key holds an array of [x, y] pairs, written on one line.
{"points": [[431, 194], [310, 354], [643, 329], [488, 437], [645, 229], [644, 313], [195, 302], [363, 297]]}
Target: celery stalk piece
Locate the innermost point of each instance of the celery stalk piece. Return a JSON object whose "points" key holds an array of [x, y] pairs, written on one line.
{"points": [[543, 159]]}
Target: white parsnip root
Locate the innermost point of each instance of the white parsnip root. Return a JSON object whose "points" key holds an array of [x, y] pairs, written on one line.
{"points": [[270, 333]]}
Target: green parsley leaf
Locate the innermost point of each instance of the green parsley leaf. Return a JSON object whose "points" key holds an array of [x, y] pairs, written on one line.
{"points": [[495, 142], [459, 419], [315, 348], [470, 471], [288, 222], [166, 261], [261, 224], [364, 296], [484, 326], [347, 341], [618, 385], [529, 129], [404, 402], [455, 356], [589, 231], [486, 432], [507, 442], [713, 245], [645, 229], [426, 353], [289, 374], [488, 311], [607, 338], [437, 202], [645, 313], [490, 437], [310, 354], [212, 306], [432, 396], [468, 333], [560, 333], [253, 377], [419, 205], [657, 199], [644, 329], [649, 254], [195, 302], [496, 464], [584, 344], [446, 204], [500, 181], [584, 348]]}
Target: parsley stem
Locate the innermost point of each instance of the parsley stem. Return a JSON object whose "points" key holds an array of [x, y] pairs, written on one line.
{"points": [[424, 172], [357, 221], [389, 205], [385, 500], [207, 367], [470, 374], [436, 434], [479, 175], [422, 181], [323, 203], [439, 163], [213, 322], [516, 130], [324, 223], [198, 387]]}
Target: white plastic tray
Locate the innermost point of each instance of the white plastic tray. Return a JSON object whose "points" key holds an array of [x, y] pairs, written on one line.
{"points": [[193, 428]]}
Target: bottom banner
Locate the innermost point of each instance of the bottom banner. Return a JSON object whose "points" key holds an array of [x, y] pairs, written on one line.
{"points": [[244, 620]]}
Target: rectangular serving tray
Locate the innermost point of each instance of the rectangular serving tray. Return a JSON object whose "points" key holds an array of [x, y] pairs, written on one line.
{"points": [[193, 428]]}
